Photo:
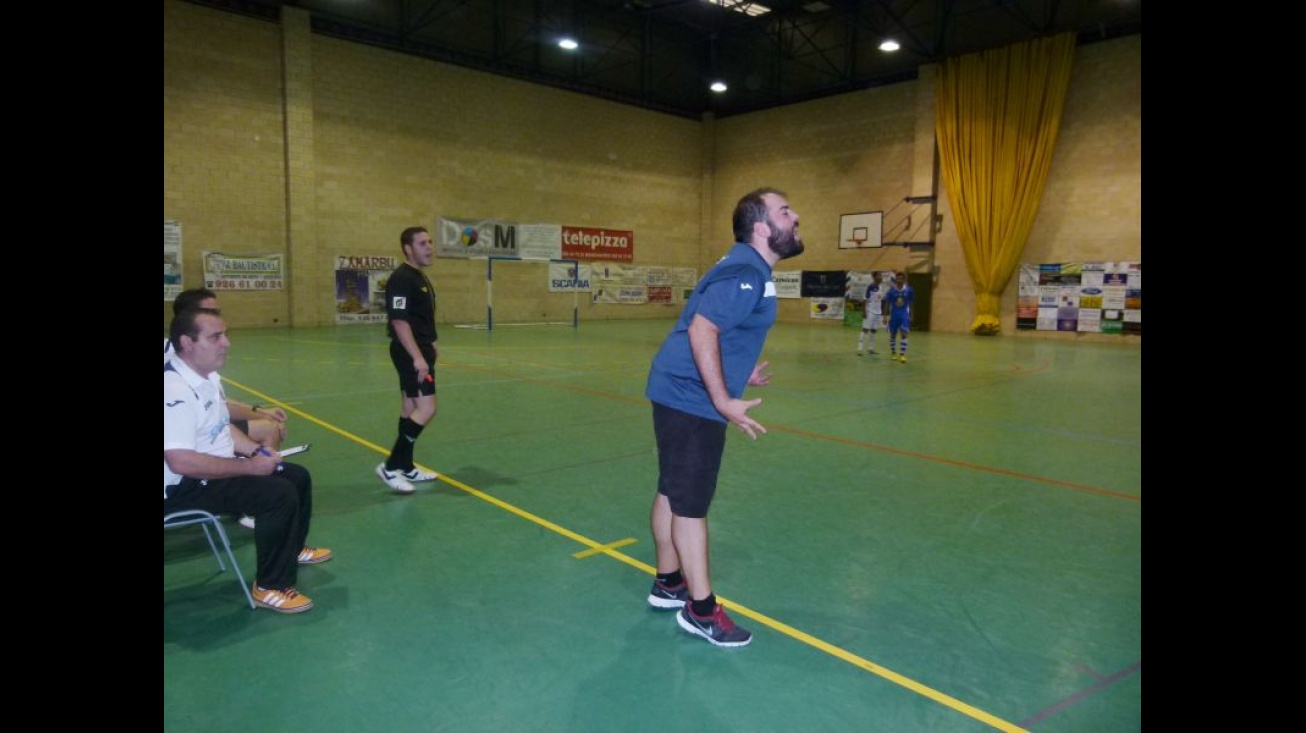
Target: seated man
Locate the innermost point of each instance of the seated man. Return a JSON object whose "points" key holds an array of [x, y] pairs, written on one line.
{"points": [[264, 425], [201, 468]]}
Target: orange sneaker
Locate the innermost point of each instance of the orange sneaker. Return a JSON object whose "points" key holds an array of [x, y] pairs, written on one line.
{"points": [[314, 555], [282, 601]]}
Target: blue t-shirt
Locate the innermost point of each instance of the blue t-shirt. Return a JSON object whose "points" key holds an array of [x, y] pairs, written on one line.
{"points": [[738, 296], [900, 299]]}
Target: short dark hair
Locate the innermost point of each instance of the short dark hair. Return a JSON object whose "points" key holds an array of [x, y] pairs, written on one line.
{"points": [[750, 210], [192, 298], [407, 236], [186, 323]]}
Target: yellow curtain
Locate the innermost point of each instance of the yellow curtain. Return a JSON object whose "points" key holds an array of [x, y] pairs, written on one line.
{"points": [[998, 117]]}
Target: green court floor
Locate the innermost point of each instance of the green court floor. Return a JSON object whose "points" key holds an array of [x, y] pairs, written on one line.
{"points": [[952, 544]]}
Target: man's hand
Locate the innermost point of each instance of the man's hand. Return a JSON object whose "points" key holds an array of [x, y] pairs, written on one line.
{"points": [[422, 368], [276, 413], [736, 411], [760, 377], [264, 463], [193, 464]]}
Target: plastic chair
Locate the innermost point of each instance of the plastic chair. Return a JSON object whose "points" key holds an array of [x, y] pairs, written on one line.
{"points": [[210, 523]]}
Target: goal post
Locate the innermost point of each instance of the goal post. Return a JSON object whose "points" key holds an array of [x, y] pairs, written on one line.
{"points": [[527, 295]]}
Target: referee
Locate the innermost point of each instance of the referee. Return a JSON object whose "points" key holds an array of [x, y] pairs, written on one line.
{"points": [[410, 324]]}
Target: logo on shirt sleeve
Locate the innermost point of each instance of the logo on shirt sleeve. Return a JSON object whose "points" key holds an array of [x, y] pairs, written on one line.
{"points": [[399, 303]]}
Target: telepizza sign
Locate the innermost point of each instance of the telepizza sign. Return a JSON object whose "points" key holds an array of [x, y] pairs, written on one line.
{"points": [[600, 245]]}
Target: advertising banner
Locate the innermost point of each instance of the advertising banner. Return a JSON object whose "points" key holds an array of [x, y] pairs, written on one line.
{"points": [[603, 245], [1087, 297], [824, 283], [828, 309], [564, 278], [171, 260], [788, 284], [243, 272], [360, 287], [539, 241], [466, 238]]}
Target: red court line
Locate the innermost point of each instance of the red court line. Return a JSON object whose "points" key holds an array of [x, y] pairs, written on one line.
{"points": [[1082, 694], [960, 464], [794, 431], [845, 441]]}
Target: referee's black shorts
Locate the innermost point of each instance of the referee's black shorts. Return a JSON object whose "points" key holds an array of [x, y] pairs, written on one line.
{"points": [[408, 383]]}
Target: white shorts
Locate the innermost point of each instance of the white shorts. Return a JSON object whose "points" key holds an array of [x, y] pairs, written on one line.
{"points": [[872, 323]]}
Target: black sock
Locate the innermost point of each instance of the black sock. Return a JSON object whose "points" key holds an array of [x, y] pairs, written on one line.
{"points": [[671, 579], [401, 455], [705, 607], [392, 460], [411, 429]]}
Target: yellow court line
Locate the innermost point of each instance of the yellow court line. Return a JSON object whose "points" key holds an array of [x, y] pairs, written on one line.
{"points": [[610, 546], [609, 550]]}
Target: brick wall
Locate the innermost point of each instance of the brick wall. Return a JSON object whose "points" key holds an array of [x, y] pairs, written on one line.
{"points": [[379, 141]]}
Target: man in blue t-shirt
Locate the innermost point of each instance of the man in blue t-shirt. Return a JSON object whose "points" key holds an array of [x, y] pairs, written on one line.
{"points": [[696, 385]]}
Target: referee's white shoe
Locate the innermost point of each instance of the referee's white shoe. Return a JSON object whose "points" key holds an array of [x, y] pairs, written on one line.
{"points": [[394, 479]]}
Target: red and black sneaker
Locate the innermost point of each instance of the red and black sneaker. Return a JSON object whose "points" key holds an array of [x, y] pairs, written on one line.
{"points": [[717, 628]]}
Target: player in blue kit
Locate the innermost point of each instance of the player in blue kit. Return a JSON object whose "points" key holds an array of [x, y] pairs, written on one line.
{"points": [[696, 384], [899, 298]]}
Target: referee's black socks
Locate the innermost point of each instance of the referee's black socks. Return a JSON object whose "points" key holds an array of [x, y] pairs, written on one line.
{"points": [[401, 456]]}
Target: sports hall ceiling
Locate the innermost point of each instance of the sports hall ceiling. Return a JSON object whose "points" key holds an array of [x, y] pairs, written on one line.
{"points": [[663, 54]]}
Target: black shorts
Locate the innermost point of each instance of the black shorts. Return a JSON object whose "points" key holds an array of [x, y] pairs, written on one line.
{"points": [[404, 367], [241, 425], [689, 458]]}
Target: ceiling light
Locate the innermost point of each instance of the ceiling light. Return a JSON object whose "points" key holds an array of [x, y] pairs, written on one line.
{"points": [[718, 86], [889, 44], [742, 6], [568, 44]]}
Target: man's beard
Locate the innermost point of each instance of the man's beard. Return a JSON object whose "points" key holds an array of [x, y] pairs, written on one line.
{"points": [[785, 244]]}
